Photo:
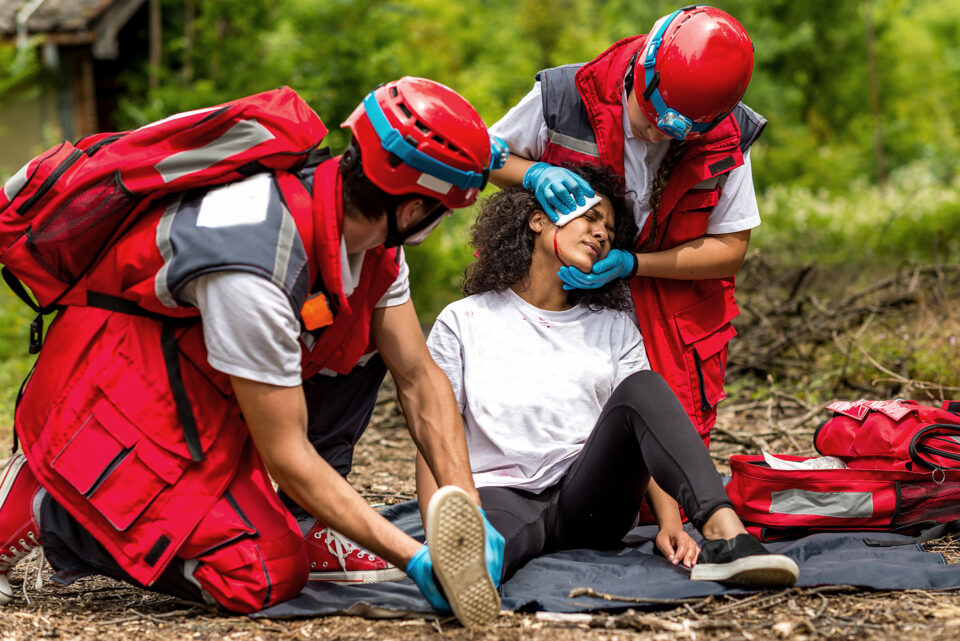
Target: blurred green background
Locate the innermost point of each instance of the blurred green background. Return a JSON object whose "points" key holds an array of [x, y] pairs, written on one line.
{"points": [[856, 172], [859, 161]]}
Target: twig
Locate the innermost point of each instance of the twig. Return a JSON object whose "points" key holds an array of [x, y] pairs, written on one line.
{"points": [[576, 592]]}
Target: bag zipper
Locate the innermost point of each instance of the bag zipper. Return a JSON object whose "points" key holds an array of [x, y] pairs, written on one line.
{"points": [[47, 184]]}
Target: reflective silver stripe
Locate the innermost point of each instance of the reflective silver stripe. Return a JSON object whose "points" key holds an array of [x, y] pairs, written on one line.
{"points": [[13, 186], [574, 144], [840, 505], [712, 183], [285, 243], [244, 135], [955, 439], [166, 252]]}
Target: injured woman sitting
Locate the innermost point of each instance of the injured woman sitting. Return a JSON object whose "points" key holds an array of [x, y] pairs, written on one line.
{"points": [[567, 427]]}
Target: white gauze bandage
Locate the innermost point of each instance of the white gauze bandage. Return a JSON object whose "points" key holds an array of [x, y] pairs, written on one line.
{"points": [[579, 211]]}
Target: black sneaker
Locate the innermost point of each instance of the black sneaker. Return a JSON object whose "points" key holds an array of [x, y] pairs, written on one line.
{"points": [[744, 561]]}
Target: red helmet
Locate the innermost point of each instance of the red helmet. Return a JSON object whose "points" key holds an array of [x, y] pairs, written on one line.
{"points": [[417, 136], [693, 70]]}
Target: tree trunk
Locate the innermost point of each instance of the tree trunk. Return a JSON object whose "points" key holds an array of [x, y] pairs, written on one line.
{"points": [[874, 82], [156, 44], [189, 41]]}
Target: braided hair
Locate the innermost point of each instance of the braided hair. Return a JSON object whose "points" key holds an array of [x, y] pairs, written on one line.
{"points": [[664, 172]]}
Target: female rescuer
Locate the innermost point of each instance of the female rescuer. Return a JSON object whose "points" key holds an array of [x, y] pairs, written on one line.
{"points": [[663, 110]]}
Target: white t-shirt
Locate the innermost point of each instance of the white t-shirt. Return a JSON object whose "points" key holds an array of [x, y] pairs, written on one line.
{"points": [[525, 131], [530, 382], [251, 331]]}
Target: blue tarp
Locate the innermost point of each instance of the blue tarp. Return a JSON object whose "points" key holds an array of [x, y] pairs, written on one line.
{"points": [[635, 571]]}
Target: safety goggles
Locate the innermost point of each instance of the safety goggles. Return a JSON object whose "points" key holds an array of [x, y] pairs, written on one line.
{"points": [[670, 121], [394, 142]]}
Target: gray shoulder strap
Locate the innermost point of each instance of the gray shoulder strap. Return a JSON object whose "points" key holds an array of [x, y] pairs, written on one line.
{"points": [[564, 112], [751, 125]]}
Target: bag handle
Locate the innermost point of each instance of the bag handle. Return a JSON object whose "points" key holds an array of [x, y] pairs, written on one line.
{"points": [[930, 534]]}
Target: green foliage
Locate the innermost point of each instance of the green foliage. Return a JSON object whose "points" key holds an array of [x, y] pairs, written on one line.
{"points": [[914, 220], [815, 168], [15, 362], [16, 67]]}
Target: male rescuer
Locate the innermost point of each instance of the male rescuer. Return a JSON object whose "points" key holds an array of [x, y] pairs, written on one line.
{"points": [[148, 438]]}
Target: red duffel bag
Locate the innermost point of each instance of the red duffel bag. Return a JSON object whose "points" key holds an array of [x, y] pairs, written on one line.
{"points": [[894, 434], [777, 504]]}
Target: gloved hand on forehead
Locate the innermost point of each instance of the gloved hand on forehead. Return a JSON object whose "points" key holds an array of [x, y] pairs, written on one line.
{"points": [[559, 190]]}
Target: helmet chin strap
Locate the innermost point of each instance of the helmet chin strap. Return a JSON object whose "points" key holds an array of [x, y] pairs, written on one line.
{"points": [[393, 239]]}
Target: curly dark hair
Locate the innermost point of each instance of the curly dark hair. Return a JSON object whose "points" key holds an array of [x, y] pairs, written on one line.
{"points": [[504, 240]]}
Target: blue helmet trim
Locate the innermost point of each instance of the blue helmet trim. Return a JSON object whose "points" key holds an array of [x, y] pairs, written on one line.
{"points": [[669, 120], [392, 140]]}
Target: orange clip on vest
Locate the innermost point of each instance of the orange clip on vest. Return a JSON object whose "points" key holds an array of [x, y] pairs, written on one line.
{"points": [[316, 312]]}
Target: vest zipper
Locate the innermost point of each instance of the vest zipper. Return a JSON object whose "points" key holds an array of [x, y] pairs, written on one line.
{"points": [[704, 403]]}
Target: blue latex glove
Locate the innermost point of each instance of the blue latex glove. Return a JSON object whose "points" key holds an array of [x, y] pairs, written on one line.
{"points": [[420, 569], [556, 188], [493, 550], [617, 264]]}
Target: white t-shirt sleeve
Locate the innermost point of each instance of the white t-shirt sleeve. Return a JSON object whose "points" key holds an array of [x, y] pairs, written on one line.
{"points": [[249, 328], [633, 354], [399, 291], [523, 128], [447, 351], [737, 208]]}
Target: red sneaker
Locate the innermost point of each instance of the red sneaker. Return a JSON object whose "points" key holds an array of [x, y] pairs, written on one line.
{"points": [[335, 558], [19, 533]]}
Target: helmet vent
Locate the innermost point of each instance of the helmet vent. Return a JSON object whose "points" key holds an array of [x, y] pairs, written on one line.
{"points": [[406, 111], [393, 92]]}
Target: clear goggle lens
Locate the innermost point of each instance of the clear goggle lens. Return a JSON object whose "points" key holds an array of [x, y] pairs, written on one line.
{"points": [[675, 124]]}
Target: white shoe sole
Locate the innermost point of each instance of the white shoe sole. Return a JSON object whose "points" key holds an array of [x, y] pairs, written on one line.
{"points": [[759, 570], [360, 576], [455, 538], [6, 592], [10, 474]]}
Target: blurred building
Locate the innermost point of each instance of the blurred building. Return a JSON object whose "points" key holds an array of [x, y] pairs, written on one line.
{"points": [[84, 45]]}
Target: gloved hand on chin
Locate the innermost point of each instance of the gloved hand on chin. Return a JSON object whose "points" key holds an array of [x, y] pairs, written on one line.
{"points": [[617, 264], [559, 190]]}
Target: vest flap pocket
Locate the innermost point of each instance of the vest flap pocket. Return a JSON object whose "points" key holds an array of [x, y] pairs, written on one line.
{"points": [[712, 344], [707, 316], [698, 199], [127, 490], [119, 470], [87, 455]]}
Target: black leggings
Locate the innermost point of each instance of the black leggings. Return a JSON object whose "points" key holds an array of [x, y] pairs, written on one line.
{"points": [[642, 431]]}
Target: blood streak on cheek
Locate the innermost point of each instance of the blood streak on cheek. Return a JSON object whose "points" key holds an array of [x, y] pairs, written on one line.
{"points": [[556, 247]]}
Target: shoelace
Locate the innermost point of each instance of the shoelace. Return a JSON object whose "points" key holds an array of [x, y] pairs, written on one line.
{"points": [[20, 550], [340, 546], [36, 553]]}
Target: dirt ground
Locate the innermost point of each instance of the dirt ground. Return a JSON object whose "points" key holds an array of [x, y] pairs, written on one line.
{"points": [[761, 417], [96, 608]]}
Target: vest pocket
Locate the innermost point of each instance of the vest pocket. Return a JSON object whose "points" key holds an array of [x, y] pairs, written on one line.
{"points": [[705, 330], [114, 466]]}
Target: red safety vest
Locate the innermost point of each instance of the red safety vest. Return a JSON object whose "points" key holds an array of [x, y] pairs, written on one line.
{"points": [[685, 323], [100, 422]]}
